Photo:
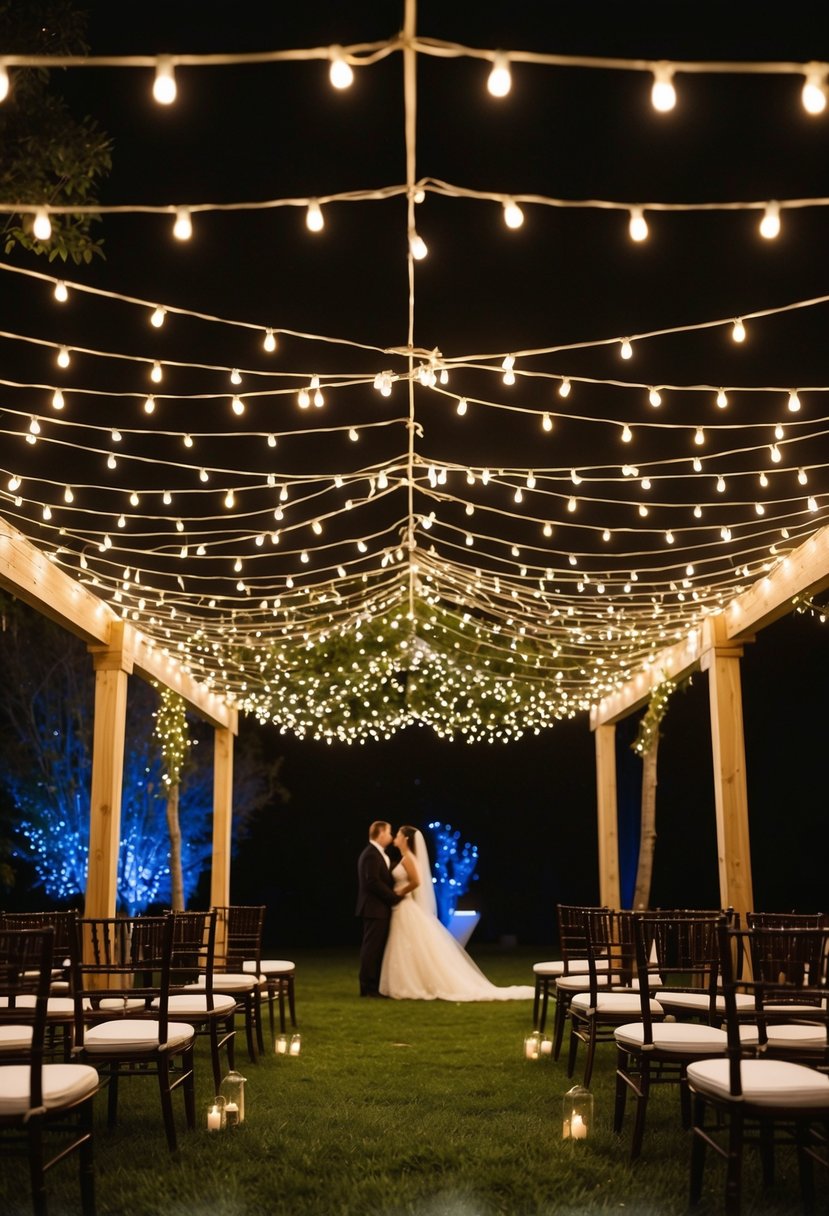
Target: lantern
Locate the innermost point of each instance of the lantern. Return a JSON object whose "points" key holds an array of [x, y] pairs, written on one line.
{"points": [[233, 1092], [532, 1046], [216, 1120], [281, 1045], [295, 1045], [577, 1113]]}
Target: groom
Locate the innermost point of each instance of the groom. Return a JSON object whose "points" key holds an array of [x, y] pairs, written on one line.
{"points": [[375, 900]]}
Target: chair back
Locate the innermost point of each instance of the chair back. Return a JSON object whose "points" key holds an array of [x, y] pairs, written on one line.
{"points": [[786, 920], [63, 924], [126, 958], [243, 925], [572, 932], [677, 950], [788, 982], [26, 957], [611, 951], [193, 952]]}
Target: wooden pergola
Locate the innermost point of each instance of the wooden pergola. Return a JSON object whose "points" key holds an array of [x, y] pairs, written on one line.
{"points": [[118, 650]]}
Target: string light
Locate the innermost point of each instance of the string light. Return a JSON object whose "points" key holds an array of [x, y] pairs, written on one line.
{"points": [[564, 388], [513, 215], [61, 292], [149, 405], [793, 402], [499, 81], [269, 341], [813, 94], [461, 406], [42, 226], [63, 357], [638, 225], [183, 224], [156, 373], [663, 92], [57, 400], [237, 405], [4, 82], [164, 84], [547, 422], [770, 223], [722, 400], [158, 316], [738, 330], [626, 348], [314, 219], [655, 397], [340, 72], [417, 247]]}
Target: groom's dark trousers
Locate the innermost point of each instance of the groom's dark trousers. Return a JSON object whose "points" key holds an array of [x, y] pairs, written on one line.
{"points": [[375, 900]]}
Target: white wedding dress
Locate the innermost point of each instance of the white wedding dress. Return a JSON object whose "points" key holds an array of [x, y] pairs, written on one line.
{"points": [[423, 962]]}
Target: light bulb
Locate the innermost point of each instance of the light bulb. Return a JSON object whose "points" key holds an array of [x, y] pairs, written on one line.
{"points": [[157, 317], [571, 504], [462, 406], [813, 95], [564, 388], [237, 405], [353, 436], [149, 405], [57, 399], [417, 247], [319, 399], [779, 433], [720, 485], [638, 225], [269, 341], [794, 402], [606, 534], [626, 349], [61, 292], [314, 220], [738, 330], [303, 398], [774, 452], [697, 464], [271, 441], [722, 400], [669, 538], [499, 82], [4, 82], [699, 435], [574, 477], [116, 436], [183, 224], [801, 476], [811, 503], [770, 223], [166, 498], [111, 461], [663, 93], [63, 356], [235, 376], [156, 373], [68, 496], [655, 398], [164, 84], [697, 512], [42, 226], [513, 215], [548, 530], [627, 434], [547, 422], [229, 500], [340, 72], [764, 481], [509, 376], [203, 475]]}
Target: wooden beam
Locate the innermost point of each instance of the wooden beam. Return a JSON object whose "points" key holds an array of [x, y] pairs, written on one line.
{"points": [[222, 817], [722, 662], [609, 886], [32, 577], [803, 571], [112, 665], [675, 662]]}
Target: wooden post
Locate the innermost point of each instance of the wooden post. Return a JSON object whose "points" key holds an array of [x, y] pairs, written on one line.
{"points": [[721, 659], [609, 889], [112, 665], [222, 815]]}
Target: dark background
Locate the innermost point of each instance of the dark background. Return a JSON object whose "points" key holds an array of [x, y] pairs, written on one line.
{"points": [[258, 133]]}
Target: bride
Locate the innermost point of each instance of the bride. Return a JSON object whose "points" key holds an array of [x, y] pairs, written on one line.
{"points": [[422, 959]]}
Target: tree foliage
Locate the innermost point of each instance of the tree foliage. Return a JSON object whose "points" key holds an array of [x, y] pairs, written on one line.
{"points": [[47, 155], [46, 723]]}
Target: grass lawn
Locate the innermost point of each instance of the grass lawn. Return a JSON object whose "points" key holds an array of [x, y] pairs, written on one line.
{"points": [[397, 1108]]}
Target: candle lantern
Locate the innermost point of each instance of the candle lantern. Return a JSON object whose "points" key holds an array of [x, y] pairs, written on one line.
{"points": [[216, 1121], [295, 1045], [532, 1045], [281, 1045], [233, 1092], [577, 1113]]}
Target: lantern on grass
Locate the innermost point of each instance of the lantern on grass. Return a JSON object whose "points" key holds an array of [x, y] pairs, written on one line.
{"points": [[281, 1045], [577, 1113], [233, 1092], [216, 1121], [532, 1045], [295, 1045]]}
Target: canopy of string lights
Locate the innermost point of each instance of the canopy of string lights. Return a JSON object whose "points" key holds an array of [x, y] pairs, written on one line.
{"points": [[489, 495]]}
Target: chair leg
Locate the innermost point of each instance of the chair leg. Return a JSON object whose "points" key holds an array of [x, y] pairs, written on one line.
{"points": [[697, 1151], [213, 1030], [282, 1022], [36, 1171], [592, 1032], [574, 1047], [734, 1164], [167, 1102], [622, 1066], [270, 992], [112, 1096], [250, 1036], [767, 1152], [292, 1000], [561, 1018], [257, 1008], [545, 1002], [188, 1064], [641, 1108], [87, 1163], [536, 1002], [684, 1099], [805, 1167]]}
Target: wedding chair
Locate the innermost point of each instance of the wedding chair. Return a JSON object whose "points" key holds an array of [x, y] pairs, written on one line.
{"points": [[789, 972], [121, 990], [40, 1101], [244, 930], [760, 1100], [192, 993], [240, 932], [545, 974], [572, 936], [60, 1012], [611, 998], [681, 951]]}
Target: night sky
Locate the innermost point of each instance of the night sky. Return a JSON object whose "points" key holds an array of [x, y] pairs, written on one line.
{"points": [[529, 806]]}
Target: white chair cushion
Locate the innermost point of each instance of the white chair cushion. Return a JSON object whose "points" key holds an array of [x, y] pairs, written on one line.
{"points": [[268, 966], [195, 1006], [134, 1035], [57, 1006], [14, 1037], [794, 1037], [552, 969], [229, 981], [63, 1084], [698, 1002], [682, 1038], [764, 1083], [616, 1004], [121, 1003]]}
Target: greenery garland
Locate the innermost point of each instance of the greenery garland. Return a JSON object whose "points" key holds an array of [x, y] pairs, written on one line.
{"points": [[652, 717]]}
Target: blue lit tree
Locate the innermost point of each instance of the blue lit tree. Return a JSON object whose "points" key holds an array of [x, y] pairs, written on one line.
{"points": [[46, 713], [453, 869]]}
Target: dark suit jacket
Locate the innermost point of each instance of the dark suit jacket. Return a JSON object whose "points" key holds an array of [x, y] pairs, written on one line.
{"points": [[375, 885]]}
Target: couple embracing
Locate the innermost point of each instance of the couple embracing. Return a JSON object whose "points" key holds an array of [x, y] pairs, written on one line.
{"points": [[406, 952]]}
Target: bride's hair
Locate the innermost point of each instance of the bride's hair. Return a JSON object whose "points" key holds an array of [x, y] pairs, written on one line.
{"points": [[409, 832]]}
